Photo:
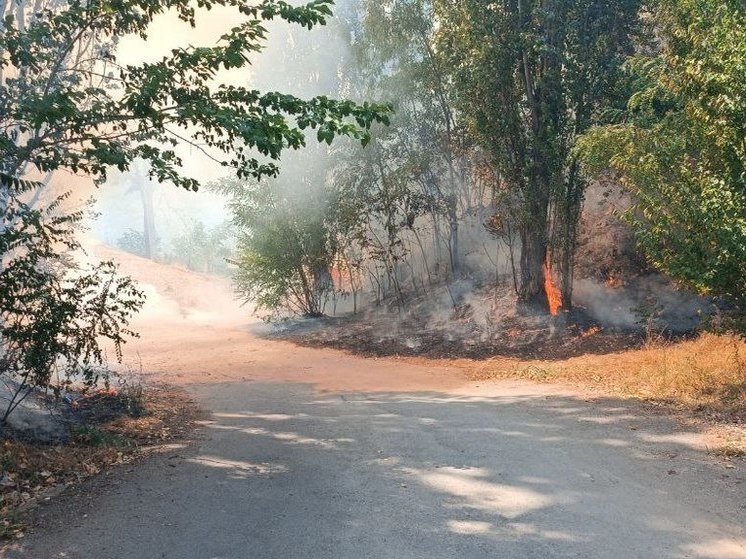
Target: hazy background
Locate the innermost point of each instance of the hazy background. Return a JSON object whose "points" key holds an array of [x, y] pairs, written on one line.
{"points": [[280, 67]]}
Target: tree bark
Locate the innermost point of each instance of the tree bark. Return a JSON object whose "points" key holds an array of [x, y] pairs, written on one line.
{"points": [[455, 249], [532, 296]]}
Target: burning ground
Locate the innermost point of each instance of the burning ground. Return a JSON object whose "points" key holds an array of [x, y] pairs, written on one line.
{"points": [[463, 320], [464, 332]]}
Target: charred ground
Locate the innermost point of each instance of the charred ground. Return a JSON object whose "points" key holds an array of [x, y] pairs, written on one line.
{"points": [[484, 327]]}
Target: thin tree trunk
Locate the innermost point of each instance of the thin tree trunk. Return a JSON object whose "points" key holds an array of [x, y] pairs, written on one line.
{"points": [[424, 257], [511, 253], [447, 113], [572, 207], [455, 252], [148, 215]]}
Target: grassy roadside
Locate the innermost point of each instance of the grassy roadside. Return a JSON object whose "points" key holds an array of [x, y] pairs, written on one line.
{"points": [[31, 473], [705, 377]]}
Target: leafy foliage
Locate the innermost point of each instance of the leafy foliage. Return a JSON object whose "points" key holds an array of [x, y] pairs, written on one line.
{"points": [[204, 249], [681, 148], [283, 253], [374, 207], [422, 154], [288, 252], [529, 77], [133, 242], [52, 318], [66, 103]]}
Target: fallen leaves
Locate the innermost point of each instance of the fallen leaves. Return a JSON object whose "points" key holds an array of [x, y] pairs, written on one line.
{"points": [[31, 472]]}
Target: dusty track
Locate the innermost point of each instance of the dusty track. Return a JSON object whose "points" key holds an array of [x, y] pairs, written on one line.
{"points": [[314, 453]]}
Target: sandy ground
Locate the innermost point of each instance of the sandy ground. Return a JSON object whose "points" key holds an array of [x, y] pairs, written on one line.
{"points": [[192, 330], [314, 453]]}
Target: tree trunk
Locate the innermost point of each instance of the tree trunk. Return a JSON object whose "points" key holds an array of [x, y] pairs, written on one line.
{"points": [[532, 296], [567, 264], [566, 221], [567, 279], [455, 249], [148, 213]]}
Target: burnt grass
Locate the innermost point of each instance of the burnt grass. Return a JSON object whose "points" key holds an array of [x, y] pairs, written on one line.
{"points": [[382, 333]]}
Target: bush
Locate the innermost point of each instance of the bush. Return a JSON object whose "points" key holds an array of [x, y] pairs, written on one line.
{"points": [[54, 314], [681, 147], [284, 249], [133, 241]]}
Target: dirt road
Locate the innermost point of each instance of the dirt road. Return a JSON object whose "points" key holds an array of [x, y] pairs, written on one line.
{"points": [[317, 454]]}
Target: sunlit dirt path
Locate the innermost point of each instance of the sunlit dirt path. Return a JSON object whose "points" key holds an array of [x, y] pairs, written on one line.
{"points": [[318, 454]]}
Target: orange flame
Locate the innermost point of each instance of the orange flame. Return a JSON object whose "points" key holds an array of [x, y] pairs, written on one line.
{"points": [[554, 294]]}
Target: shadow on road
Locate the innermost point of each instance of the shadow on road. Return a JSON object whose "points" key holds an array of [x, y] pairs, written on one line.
{"points": [[288, 472]]}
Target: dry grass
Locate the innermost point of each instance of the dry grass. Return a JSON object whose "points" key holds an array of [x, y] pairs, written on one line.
{"points": [[704, 377], [706, 374]]}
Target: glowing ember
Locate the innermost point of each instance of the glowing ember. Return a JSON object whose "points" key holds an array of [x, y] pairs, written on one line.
{"points": [[613, 281], [554, 295], [592, 331]]}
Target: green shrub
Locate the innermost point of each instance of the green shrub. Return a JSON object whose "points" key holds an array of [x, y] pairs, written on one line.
{"points": [[54, 314]]}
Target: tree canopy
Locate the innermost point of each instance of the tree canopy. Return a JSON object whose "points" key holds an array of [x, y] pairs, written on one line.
{"points": [[529, 77], [66, 102], [681, 147]]}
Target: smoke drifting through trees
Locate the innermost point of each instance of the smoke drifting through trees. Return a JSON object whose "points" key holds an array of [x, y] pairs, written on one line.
{"points": [[421, 207], [186, 228], [426, 204], [392, 220]]}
